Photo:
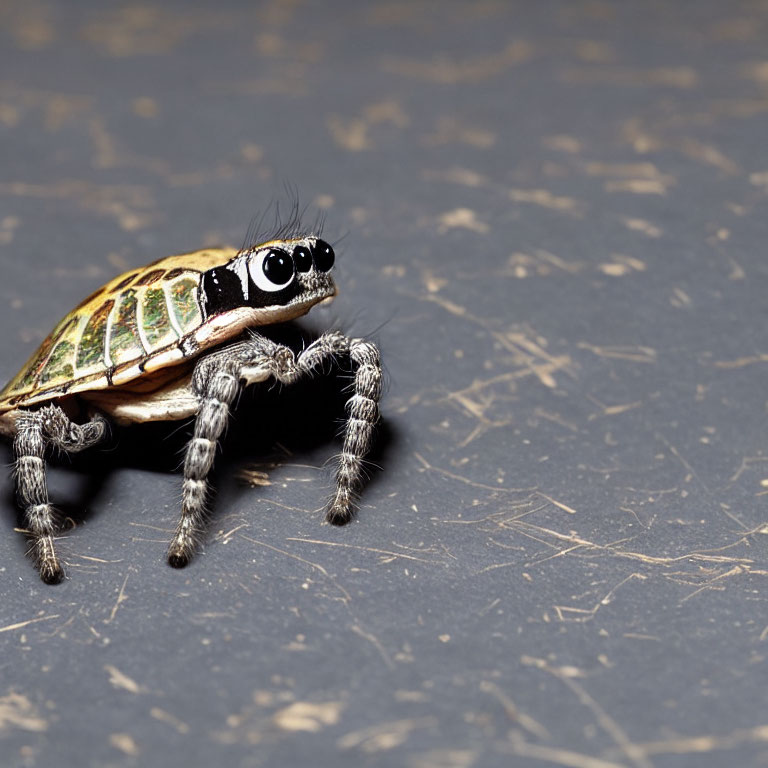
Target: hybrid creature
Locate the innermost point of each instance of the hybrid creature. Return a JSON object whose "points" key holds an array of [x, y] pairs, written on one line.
{"points": [[176, 339]]}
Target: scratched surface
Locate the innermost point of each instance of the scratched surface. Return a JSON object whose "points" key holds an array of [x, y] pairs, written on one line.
{"points": [[555, 225]]}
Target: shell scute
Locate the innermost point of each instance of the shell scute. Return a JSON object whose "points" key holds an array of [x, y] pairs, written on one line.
{"points": [[125, 282], [150, 277], [155, 320], [113, 333], [90, 351], [124, 339], [59, 364], [39, 364], [185, 303]]}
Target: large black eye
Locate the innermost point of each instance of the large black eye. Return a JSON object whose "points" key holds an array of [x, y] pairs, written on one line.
{"points": [[272, 270], [278, 267], [302, 258], [323, 255]]}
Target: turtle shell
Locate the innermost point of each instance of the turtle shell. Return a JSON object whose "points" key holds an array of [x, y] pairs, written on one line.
{"points": [[141, 321]]}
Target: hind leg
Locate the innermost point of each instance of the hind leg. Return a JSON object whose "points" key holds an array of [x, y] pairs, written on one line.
{"points": [[35, 431]]}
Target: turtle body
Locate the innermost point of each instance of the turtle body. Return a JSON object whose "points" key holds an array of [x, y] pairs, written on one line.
{"points": [[166, 342], [136, 320], [149, 319]]}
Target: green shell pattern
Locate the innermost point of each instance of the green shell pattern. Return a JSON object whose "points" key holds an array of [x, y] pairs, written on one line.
{"points": [[130, 319]]}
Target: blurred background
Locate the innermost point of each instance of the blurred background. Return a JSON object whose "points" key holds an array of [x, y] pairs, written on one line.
{"points": [[552, 218]]}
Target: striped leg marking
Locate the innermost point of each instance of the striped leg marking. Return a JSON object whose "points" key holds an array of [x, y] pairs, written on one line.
{"points": [[216, 382], [362, 417], [35, 431]]}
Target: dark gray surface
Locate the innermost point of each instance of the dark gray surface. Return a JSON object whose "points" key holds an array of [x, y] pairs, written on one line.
{"points": [[557, 222]]}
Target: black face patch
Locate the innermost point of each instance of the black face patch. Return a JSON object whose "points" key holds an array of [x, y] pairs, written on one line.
{"points": [[222, 290]]}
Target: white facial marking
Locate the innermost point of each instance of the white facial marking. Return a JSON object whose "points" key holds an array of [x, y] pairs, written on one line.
{"points": [[240, 268]]}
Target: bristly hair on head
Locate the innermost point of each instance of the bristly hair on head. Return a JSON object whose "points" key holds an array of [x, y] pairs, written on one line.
{"points": [[283, 227]]}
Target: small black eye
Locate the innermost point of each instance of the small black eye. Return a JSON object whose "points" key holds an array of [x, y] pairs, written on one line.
{"points": [[278, 267], [323, 255], [302, 258]]}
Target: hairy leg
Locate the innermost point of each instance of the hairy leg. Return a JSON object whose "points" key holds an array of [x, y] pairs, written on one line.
{"points": [[216, 383], [362, 406], [217, 380], [362, 416], [36, 430]]}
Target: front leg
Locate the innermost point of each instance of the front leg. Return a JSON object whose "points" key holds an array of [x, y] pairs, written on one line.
{"points": [[217, 380], [362, 406], [362, 416]]}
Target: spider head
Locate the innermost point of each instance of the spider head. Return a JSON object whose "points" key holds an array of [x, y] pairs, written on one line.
{"points": [[280, 279], [297, 270]]}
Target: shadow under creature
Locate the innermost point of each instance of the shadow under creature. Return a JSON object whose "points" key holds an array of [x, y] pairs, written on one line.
{"points": [[270, 424]]}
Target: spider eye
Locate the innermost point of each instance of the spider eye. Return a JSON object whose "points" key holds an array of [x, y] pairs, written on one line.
{"points": [[272, 270], [302, 258], [323, 255]]}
